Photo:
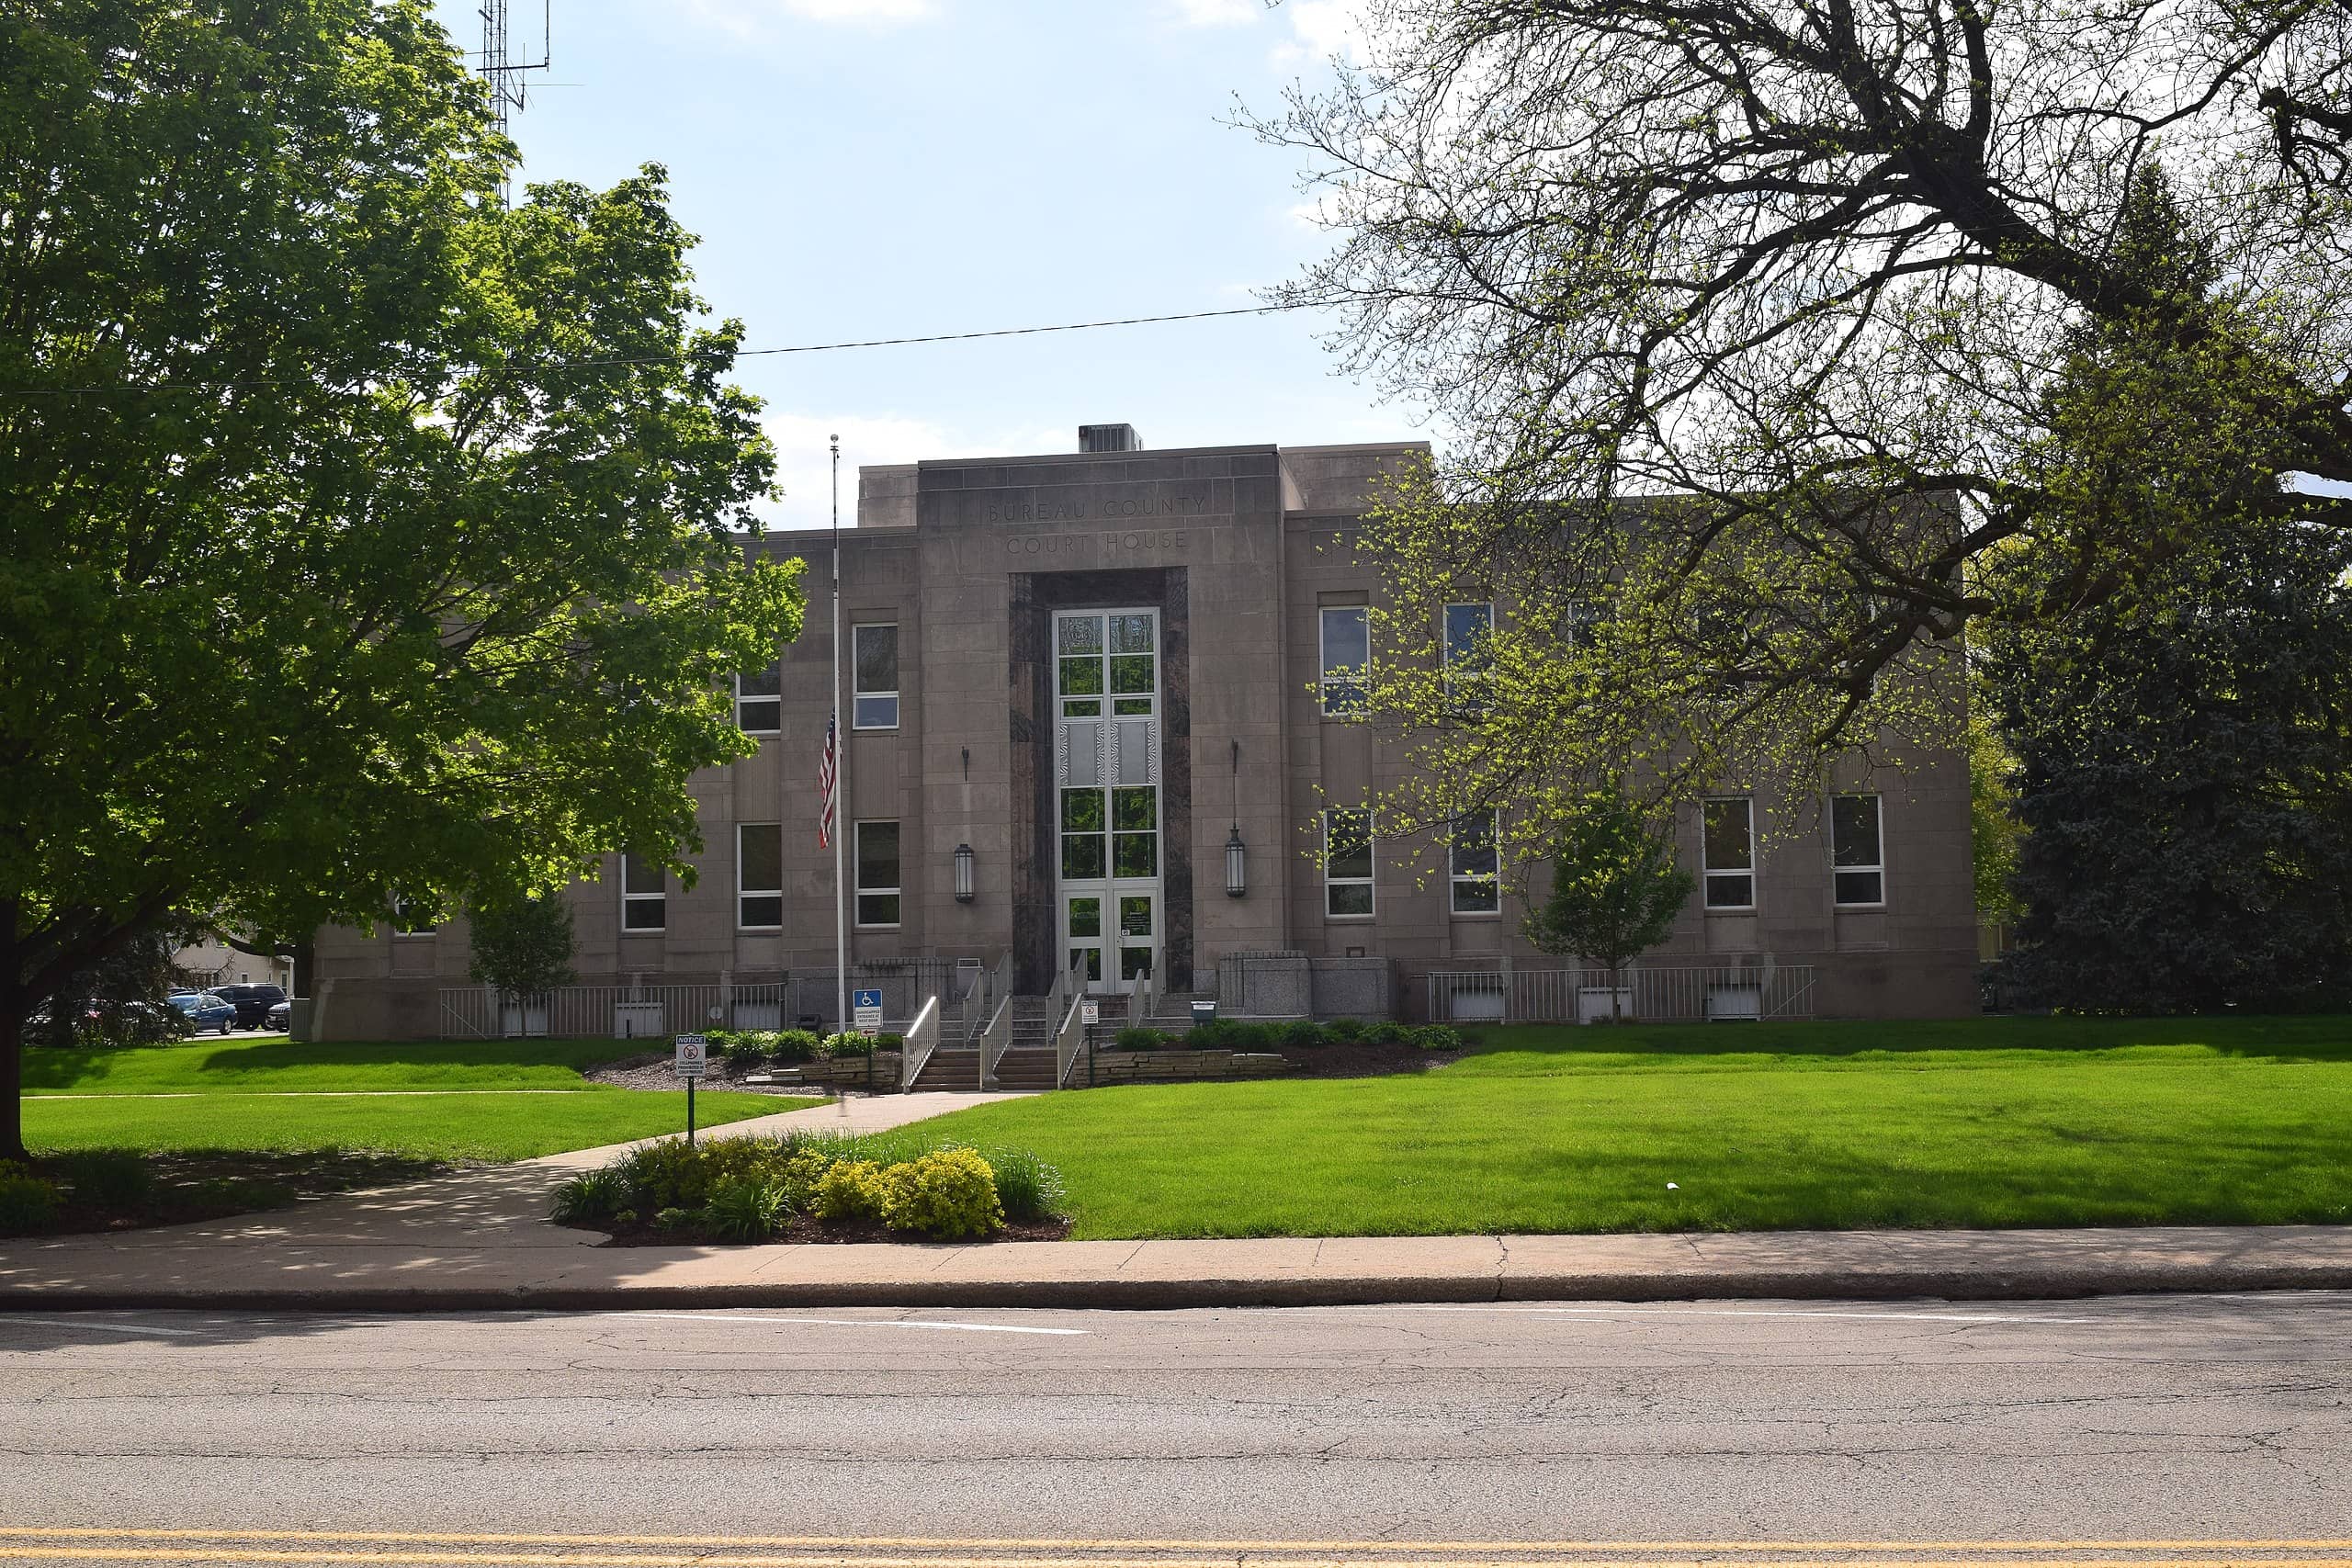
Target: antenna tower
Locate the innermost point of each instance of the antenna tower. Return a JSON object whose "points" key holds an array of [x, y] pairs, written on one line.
{"points": [[508, 79]]}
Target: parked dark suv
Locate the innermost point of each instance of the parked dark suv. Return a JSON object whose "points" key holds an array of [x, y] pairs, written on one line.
{"points": [[253, 1002]]}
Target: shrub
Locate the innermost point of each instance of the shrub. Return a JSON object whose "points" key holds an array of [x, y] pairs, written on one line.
{"points": [[745, 1048], [851, 1190], [1136, 1038], [947, 1192], [672, 1219], [1027, 1187], [795, 1045], [1216, 1035], [1300, 1035], [1256, 1036], [26, 1204], [593, 1197], [849, 1043], [1437, 1037], [746, 1208], [1388, 1032], [113, 1179], [887, 1043], [1344, 1031]]}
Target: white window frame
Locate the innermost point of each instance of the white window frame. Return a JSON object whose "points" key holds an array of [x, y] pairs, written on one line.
{"points": [[743, 894], [1457, 879], [1326, 683], [1454, 698], [659, 898], [400, 918], [1368, 882], [1710, 873], [774, 703], [858, 696], [858, 874], [1839, 870]]}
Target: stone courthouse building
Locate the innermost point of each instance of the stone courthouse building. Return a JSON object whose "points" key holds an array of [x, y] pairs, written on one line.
{"points": [[1103, 713]]}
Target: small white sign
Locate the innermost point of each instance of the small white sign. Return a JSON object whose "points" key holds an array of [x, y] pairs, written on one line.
{"points": [[865, 1012], [1090, 1012], [693, 1057]]}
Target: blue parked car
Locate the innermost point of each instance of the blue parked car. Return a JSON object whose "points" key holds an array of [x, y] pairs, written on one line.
{"points": [[205, 1011]]}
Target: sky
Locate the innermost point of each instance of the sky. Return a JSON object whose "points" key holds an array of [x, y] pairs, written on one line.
{"points": [[887, 168]]}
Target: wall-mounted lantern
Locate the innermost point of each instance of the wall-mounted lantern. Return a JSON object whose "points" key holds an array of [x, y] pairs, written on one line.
{"points": [[1237, 865], [963, 873]]}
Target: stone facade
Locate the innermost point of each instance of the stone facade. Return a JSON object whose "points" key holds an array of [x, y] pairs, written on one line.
{"points": [[1231, 554]]}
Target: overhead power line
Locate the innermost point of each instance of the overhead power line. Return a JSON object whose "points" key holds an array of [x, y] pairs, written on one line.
{"points": [[677, 359]]}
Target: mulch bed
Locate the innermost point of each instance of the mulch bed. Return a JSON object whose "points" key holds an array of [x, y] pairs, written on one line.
{"points": [[193, 1187], [805, 1229], [653, 1072]]}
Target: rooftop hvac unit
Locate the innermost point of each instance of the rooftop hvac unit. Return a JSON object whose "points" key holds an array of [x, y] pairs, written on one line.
{"points": [[1108, 438]]}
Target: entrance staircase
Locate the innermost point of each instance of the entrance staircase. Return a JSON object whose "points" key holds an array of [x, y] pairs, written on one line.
{"points": [[1027, 1064]]}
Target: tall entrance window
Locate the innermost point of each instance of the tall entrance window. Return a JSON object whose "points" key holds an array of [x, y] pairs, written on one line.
{"points": [[1106, 770]]}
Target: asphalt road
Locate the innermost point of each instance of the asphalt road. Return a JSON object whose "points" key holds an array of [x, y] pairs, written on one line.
{"points": [[800, 1437]]}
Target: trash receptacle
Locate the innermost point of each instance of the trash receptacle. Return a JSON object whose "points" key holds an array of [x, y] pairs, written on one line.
{"points": [[1204, 1012]]}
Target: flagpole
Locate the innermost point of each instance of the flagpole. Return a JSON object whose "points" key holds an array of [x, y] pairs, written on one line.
{"points": [[841, 771]]}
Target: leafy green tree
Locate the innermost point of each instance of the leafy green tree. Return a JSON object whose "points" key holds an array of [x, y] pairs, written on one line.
{"points": [[1815, 270], [360, 532], [523, 948], [1994, 832], [1615, 887]]}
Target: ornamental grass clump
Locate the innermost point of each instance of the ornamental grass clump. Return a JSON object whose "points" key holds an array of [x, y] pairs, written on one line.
{"points": [[746, 1209]]}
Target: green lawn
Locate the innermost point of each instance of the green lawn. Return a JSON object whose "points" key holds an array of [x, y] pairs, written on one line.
{"points": [[246, 1096], [1967, 1124]]}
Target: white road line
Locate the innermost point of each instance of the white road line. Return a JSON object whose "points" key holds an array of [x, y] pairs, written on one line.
{"points": [[851, 1321], [1722, 1311], [8, 1317]]}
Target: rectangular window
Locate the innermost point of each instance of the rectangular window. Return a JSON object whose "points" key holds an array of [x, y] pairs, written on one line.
{"points": [[1466, 628], [1347, 863], [874, 688], [645, 893], [759, 876], [1728, 845], [759, 710], [1346, 658], [878, 874], [1473, 863], [414, 917], [1857, 863]]}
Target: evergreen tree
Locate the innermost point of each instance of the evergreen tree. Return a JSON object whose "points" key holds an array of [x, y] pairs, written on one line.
{"points": [[2184, 774]]}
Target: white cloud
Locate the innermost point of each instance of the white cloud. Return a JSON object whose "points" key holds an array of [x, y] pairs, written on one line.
{"points": [[1321, 29], [746, 18], [804, 465]]}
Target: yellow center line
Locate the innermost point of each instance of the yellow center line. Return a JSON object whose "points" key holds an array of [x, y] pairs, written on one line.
{"points": [[860, 1545], [398, 1553]]}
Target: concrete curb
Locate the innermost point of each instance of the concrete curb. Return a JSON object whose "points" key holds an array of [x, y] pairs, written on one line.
{"points": [[1962, 1284]]}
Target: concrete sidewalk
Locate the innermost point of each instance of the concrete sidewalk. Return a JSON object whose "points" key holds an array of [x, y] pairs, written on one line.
{"points": [[481, 1240]]}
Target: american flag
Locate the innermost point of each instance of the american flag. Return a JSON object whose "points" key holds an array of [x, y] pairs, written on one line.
{"points": [[825, 776]]}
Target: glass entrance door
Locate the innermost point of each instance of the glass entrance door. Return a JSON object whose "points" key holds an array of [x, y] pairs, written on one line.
{"points": [[1106, 766]]}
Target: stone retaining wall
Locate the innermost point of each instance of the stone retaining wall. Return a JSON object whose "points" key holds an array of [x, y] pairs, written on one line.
{"points": [[1172, 1067]]}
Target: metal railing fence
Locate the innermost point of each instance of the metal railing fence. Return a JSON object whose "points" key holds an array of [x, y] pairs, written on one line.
{"points": [[1682, 993]]}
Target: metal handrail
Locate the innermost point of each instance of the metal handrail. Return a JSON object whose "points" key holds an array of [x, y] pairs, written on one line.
{"points": [[1066, 1041], [921, 1040], [995, 1041]]}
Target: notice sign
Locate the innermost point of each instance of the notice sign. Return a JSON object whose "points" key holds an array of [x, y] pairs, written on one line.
{"points": [[693, 1057], [865, 1012], [1090, 1012]]}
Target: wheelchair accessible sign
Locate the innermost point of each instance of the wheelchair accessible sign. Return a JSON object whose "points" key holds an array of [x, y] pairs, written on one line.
{"points": [[865, 1012]]}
